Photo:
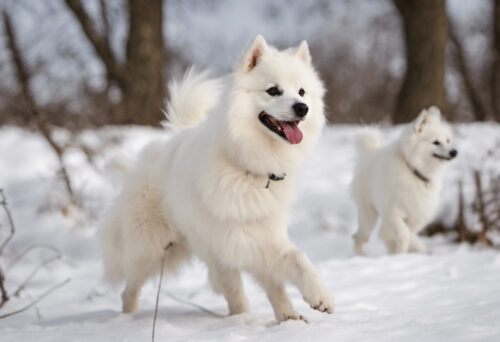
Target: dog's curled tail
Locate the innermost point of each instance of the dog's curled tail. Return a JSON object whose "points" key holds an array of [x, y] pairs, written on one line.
{"points": [[369, 140], [192, 99]]}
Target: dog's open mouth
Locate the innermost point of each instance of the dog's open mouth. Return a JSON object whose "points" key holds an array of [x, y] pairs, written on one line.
{"points": [[288, 130], [435, 155]]}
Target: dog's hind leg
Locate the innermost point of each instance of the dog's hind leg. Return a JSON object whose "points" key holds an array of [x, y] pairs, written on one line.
{"points": [[396, 234], [136, 274], [228, 283], [367, 219], [276, 293]]}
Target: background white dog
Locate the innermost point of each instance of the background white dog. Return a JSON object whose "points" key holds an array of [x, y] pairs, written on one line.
{"points": [[222, 188], [400, 182]]}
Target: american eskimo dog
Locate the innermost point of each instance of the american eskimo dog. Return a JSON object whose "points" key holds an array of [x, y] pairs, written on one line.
{"points": [[400, 182], [222, 186]]}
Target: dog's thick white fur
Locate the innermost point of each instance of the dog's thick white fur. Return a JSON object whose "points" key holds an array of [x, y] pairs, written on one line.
{"points": [[400, 182], [204, 191]]}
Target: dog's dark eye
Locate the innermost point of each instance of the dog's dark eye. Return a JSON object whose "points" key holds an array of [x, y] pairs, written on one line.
{"points": [[302, 92], [273, 91], [436, 142]]}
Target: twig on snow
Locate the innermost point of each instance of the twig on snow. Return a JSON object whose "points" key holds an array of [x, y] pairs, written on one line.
{"points": [[183, 301], [3, 202], [34, 272], [4, 295], [159, 288], [30, 248], [42, 296]]}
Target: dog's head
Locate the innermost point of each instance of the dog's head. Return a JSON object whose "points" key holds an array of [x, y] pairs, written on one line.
{"points": [[430, 141], [277, 103]]}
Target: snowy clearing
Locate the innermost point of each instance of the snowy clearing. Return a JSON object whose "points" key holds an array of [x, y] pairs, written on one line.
{"points": [[451, 294]]}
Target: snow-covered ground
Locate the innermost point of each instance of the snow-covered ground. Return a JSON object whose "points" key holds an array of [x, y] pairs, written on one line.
{"points": [[453, 294]]}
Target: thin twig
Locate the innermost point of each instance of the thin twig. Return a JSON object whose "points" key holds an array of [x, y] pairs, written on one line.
{"points": [[5, 296], [159, 288], [183, 301], [45, 294], [481, 210], [34, 272], [30, 248], [3, 291], [5, 207], [37, 310]]}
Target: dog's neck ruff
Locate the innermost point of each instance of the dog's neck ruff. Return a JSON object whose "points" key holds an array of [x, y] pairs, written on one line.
{"points": [[418, 174]]}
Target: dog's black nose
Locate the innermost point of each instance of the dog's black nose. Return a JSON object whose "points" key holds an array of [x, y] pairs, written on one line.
{"points": [[453, 153], [300, 109]]}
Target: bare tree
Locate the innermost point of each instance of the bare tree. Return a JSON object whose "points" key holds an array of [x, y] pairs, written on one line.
{"points": [[23, 76], [495, 72], [140, 78], [425, 30]]}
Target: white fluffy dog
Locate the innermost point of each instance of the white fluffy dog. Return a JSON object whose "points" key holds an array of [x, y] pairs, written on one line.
{"points": [[400, 182], [222, 186]]}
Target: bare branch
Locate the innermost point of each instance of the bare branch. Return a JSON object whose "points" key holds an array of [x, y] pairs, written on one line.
{"points": [[99, 42], [194, 305], [23, 77], [42, 296], [5, 296], [103, 8], [481, 209], [3, 202], [30, 248], [34, 272], [3, 291]]}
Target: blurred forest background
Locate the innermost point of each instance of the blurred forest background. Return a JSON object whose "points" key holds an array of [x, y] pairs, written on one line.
{"points": [[67, 66], [95, 62]]}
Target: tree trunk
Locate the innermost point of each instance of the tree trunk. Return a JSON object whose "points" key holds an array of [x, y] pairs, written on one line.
{"points": [[143, 86], [479, 110], [425, 29], [141, 78], [495, 72]]}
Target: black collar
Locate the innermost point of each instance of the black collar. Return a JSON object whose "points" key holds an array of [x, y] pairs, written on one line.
{"points": [[418, 174], [421, 177], [273, 177]]}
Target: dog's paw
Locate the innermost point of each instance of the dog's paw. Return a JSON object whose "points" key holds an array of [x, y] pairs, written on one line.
{"points": [[321, 300], [285, 316]]}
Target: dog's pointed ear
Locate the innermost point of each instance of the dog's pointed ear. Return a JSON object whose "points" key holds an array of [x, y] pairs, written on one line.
{"points": [[420, 121], [303, 52], [253, 54], [434, 113], [427, 115]]}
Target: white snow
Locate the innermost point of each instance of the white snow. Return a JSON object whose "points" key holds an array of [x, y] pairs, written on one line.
{"points": [[453, 294]]}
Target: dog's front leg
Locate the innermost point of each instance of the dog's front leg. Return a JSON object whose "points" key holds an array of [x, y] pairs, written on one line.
{"points": [[395, 233], [276, 293], [292, 265], [228, 283]]}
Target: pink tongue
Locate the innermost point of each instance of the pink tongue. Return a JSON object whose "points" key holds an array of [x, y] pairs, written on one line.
{"points": [[292, 132]]}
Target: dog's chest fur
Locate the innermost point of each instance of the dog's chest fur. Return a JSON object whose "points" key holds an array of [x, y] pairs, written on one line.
{"points": [[232, 192]]}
